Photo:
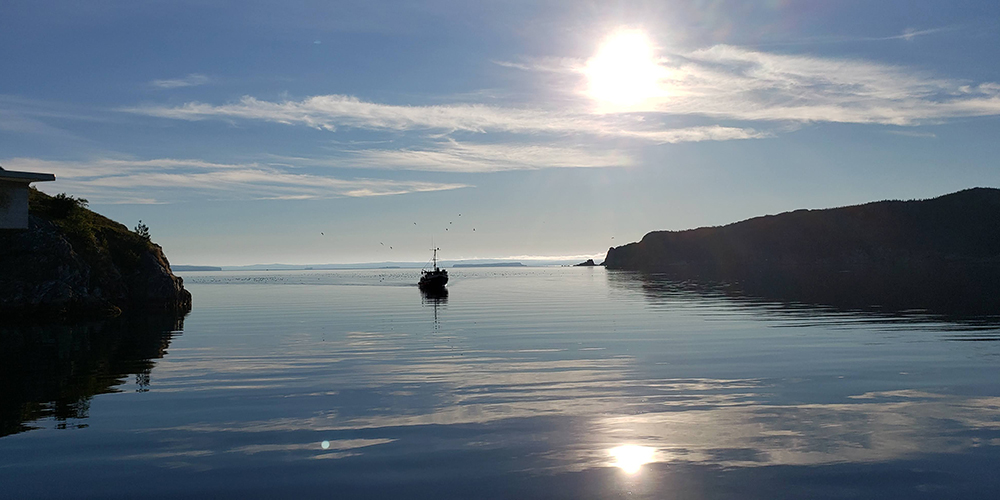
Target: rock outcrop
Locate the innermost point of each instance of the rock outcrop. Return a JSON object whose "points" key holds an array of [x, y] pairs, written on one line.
{"points": [[586, 263], [73, 263]]}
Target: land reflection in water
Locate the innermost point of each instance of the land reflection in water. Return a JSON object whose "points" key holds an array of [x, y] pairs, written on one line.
{"points": [[963, 299], [53, 370], [542, 383]]}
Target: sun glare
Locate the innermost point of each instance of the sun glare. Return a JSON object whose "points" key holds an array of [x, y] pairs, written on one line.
{"points": [[624, 72], [631, 458]]}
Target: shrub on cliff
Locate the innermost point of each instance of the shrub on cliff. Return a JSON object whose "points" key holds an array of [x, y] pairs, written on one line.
{"points": [[72, 261]]}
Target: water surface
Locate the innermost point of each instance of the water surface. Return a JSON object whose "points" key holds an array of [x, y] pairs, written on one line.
{"points": [[516, 383]]}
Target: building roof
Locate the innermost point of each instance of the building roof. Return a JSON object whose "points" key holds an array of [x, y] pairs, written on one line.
{"points": [[15, 176]]}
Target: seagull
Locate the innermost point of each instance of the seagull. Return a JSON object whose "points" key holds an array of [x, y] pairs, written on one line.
{"points": [[380, 243], [322, 233]]}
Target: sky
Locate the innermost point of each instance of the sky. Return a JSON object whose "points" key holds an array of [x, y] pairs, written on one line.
{"points": [[311, 132]]}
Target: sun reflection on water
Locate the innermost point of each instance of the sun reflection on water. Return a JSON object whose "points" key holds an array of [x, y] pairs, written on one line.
{"points": [[630, 458]]}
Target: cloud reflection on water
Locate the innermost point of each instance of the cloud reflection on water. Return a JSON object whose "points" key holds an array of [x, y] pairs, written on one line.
{"points": [[549, 382], [584, 407]]}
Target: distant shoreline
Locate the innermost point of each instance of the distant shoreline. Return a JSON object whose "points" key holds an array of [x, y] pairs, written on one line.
{"points": [[377, 265], [195, 268], [495, 264]]}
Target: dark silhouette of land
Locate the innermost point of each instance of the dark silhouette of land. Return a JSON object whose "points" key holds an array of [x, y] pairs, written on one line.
{"points": [[54, 369], [942, 253], [73, 263]]}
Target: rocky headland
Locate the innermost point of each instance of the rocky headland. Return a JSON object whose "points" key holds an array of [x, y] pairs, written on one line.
{"points": [[898, 254], [72, 263]]}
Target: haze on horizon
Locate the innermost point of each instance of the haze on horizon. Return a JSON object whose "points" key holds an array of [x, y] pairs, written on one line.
{"points": [[326, 132]]}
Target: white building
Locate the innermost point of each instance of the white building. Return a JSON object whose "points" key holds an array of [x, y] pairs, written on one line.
{"points": [[14, 197]]}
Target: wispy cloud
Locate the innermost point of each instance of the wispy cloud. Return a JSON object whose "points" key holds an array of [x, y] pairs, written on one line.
{"points": [[453, 156], [726, 82], [908, 35], [164, 180], [329, 112], [552, 64], [722, 83], [14, 122], [736, 83], [911, 33], [192, 80], [33, 116], [913, 133]]}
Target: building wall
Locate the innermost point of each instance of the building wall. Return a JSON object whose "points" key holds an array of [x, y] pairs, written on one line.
{"points": [[13, 205]]}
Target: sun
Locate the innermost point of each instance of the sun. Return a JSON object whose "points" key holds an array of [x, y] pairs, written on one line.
{"points": [[624, 73]]}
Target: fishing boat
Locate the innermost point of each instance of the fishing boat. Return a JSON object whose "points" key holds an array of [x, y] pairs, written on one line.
{"points": [[434, 279]]}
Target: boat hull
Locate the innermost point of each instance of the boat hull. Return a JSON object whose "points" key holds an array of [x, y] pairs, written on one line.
{"points": [[433, 280]]}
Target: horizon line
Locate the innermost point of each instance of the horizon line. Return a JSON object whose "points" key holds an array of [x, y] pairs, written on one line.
{"points": [[514, 258]]}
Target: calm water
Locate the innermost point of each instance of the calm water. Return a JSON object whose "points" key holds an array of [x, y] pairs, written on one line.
{"points": [[520, 383]]}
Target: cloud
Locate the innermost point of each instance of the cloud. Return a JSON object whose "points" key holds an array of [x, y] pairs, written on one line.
{"points": [[735, 83], [192, 80], [108, 180], [33, 116], [12, 121], [723, 83], [551, 64], [908, 35], [726, 82], [328, 112], [452, 156], [911, 33], [913, 133]]}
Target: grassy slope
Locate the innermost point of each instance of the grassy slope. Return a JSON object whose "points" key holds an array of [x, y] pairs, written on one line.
{"points": [[100, 241]]}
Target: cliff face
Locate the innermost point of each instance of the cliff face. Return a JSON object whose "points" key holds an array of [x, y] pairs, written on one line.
{"points": [[959, 229], [74, 263]]}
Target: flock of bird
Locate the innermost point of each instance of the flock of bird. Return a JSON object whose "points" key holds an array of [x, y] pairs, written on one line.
{"points": [[381, 243], [446, 229]]}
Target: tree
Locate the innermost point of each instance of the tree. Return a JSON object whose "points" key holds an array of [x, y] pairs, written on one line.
{"points": [[142, 230]]}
